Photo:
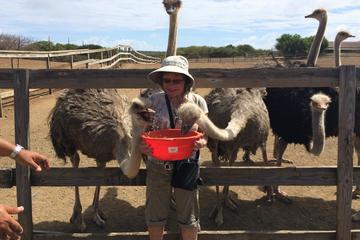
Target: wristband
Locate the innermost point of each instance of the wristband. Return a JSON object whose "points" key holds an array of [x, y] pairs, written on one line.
{"points": [[16, 151]]}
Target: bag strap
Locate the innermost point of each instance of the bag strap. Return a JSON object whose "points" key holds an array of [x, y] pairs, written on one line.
{"points": [[172, 124]]}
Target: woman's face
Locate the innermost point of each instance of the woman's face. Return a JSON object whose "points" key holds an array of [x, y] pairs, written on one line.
{"points": [[173, 84]]}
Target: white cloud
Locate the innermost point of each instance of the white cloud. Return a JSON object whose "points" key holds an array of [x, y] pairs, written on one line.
{"points": [[105, 21]]}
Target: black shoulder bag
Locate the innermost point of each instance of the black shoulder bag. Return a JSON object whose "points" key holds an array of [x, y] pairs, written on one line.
{"points": [[186, 173]]}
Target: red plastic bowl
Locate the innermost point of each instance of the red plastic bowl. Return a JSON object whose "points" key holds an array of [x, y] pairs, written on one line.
{"points": [[170, 144]]}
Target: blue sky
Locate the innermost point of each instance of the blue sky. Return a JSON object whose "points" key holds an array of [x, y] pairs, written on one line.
{"points": [[144, 23]]}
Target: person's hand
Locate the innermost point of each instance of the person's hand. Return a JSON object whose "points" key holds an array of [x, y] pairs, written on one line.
{"points": [[9, 227], [200, 144], [34, 160], [145, 149]]}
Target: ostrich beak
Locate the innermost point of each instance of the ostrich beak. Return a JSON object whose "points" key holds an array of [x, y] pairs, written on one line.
{"points": [[147, 115], [352, 36], [309, 16], [185, 128]]}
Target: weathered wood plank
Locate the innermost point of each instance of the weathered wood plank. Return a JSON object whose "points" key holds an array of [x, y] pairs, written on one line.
{"points": [[345, 151], [136, 78], [203, 235], [21, 108], [319, 176], [205, 78]]}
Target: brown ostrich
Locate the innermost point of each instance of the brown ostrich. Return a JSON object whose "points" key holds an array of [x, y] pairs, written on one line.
{"points": [[103, 125]]}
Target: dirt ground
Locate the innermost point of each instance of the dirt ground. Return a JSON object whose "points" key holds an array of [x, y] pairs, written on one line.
{"points": [[313, 208]]}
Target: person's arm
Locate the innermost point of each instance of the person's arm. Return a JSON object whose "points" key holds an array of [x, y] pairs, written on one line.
{"points": [[9, 227], [34, 160]]}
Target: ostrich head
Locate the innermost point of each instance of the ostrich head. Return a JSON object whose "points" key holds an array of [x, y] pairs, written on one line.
{"points": [[317, 14], [342, 35], [189, 113], [320, 102], [172, 6], [142, 116], [148, 92]]}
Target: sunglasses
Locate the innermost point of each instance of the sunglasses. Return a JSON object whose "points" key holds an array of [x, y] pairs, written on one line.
{"points": [[173, 81]]}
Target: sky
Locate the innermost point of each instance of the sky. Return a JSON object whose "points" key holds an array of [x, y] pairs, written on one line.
{"points": [[143, 24]]}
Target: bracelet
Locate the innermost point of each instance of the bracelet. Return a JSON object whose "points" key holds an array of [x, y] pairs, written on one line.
{"points": [[16, 151]]}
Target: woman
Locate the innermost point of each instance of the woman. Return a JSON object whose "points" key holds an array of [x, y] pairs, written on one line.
{"points": [[176, 82]]}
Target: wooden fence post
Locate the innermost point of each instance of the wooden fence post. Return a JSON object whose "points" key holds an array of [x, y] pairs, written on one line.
{"points": [[1, 107], [48, 62], [71, 61], [23, 184], [347, 84], [48, 67]]}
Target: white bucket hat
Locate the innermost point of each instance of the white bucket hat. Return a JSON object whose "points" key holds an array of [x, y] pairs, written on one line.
{"points": [[175, 64]]}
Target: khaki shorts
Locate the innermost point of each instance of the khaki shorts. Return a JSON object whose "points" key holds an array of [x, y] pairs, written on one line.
{"points": [[158, 198]]}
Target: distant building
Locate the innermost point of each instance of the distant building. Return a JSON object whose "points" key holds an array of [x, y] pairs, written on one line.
{"points": [[345, 47]]}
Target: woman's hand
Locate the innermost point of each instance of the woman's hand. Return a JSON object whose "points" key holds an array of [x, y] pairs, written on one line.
{"points": [[34, 160], [9, 227], [200, 144]]}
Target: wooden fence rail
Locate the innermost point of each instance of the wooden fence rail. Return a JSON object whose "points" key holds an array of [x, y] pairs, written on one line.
{"points": [[212, 176], [344, 77]]}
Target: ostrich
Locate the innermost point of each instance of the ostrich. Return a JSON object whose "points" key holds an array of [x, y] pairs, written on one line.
{"points": [[248, 125], [298, 113], [299, 132], [103, 125], [172, 8], [290, 94], [242, 126]]}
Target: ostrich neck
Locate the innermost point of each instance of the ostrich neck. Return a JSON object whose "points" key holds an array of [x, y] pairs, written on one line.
{"points": [[130, 167], [171, 48], [227, 134], [318, 128], [316, 44], [337, 52]]}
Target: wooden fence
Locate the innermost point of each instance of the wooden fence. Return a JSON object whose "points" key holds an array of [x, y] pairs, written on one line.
{"points": [[92, 56], [341, 175]]}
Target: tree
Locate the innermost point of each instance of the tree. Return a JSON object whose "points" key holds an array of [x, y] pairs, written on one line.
{"points": [[292, 45], [13, 42], [295, 45]]}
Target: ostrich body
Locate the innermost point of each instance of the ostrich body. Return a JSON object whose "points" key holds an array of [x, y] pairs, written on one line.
{"points": [[244, 115], [98, 123], [299, 112]]}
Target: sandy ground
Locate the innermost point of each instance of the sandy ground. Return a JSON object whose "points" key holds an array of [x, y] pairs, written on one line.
{"points": [[314, 208]]}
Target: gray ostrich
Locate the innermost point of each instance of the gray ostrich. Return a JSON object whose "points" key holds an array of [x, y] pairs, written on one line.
{"points": [[102, 124], [244, 111]]}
